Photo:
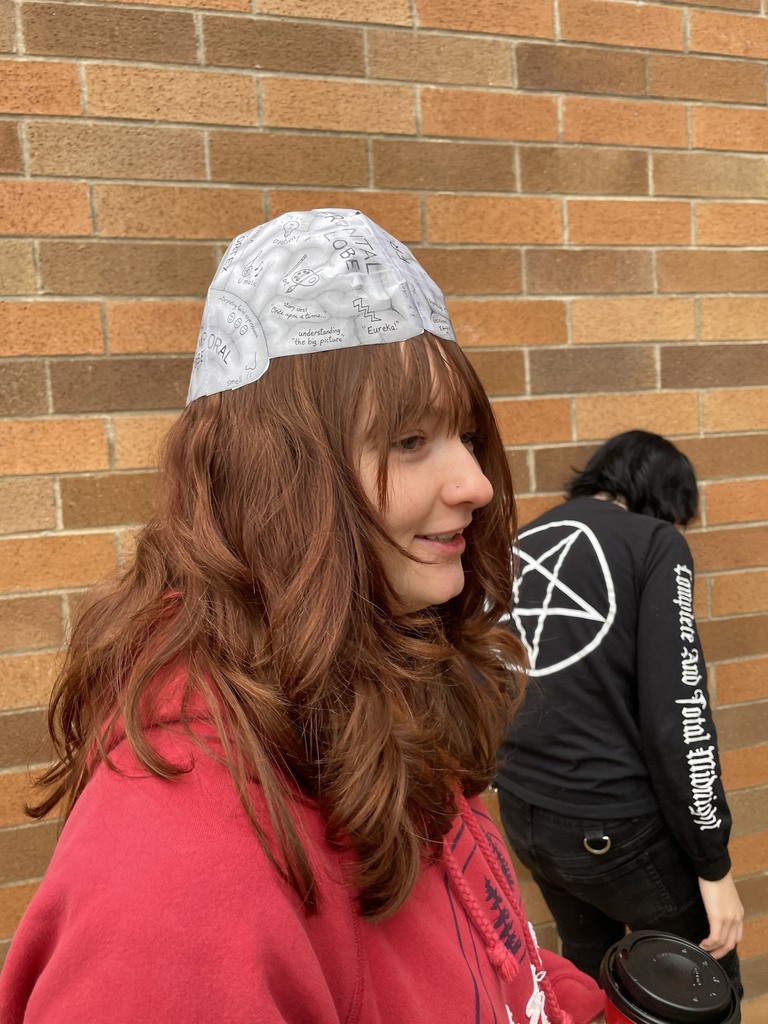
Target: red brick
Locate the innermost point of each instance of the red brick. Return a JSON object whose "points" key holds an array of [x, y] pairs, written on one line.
{"points": [[601, 416], [729, 128], [710, 271], [42, 563], [747, 767], [748, 856], [502, 372], [10, 149], [397, 212], [52, 446], [495, 219], [625, 122], [718, 176], [153, 326], [735, 455], [488, 115], [703, 78], [531, 508], [632, 319], [579, 271], [394, 12], [507, 322], [50, 328], [723, 317], [166, 211], [214, 5], [736, 34], [76, 30], [571, 370], [627, 222], [138, 439], [723, 548], [713, 366], [645, 26], [15, 788], [449, 166], [39, 87], [276, 158], [464, 270], [72, 149], [24, 740], [523, 18], [116, 383], [510, 321], [433, 57], [744, 501], [558, 68], [159, 94], [740, 593], [339, 106], [533, 420], [44, 208], [13, 903], [106, 499], [743, 680]]}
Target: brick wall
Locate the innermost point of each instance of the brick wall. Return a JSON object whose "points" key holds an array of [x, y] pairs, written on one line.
{"points": [[586, 179]]}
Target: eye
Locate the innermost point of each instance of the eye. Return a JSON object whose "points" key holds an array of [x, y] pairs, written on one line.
{"points": [[470, 439], [412, 443]]}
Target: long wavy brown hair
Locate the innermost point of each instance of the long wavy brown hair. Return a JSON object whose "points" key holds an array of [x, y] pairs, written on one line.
{"points": [[260, 576]]}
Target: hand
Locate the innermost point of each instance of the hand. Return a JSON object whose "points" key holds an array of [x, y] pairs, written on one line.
{"points": [[724, 913]]}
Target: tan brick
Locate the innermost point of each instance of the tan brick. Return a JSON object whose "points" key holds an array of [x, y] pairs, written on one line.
{"points": [[10, 149], [283, 46], [743, 680], [26, 503], [488, 115], [44, 208], [73, 30], [533, 420], [454, 166], [628, 222], [518, 464], [602, 416], [714, 366], [438, 58], [509, 321], [559, 68], [502, 373], [24, 388], [710, 271], [117, 384], [647, 26], [736, 34], [13, 903], [748, 854], [702, 78], [269, 158], [740, 593], [625, 122], [158, 94], [126, 268], [24, 738], [397, 212], [138, 439], [719, 549], [25, 852], [632, 319], [729, 128], [50, 328], [115, 151], [755, 940], [394, 12], [7, 29], [530, 508], [738, 409], [744, 501], [506, 321], [213, 5], [495, 219], [568, 370], [26, 679], [339, 106], [742, 318], [29, 622], [750, 813], [168, 211], [579, 169], [41, 563], [153, 326], [39, 87], [727, 457], [472, 271], [746, 767], [523, 18], [701, 174], [17, 268], [15, 788], [563, 271], [108, 499], [554, 467], [52, 446]]}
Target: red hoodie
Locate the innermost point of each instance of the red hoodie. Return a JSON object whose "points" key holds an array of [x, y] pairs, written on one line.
{"points": [[160, 907]]}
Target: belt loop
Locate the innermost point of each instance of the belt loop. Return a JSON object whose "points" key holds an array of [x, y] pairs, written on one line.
{"points": [[596, 843]]}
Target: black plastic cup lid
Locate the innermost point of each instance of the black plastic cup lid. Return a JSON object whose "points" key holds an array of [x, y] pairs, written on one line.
{"points": [[669, 978]]}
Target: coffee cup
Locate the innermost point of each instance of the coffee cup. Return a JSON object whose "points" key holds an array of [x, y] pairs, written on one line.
{"points": [[657, 978]]}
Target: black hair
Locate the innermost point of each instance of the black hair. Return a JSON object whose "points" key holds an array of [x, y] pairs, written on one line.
{"points": [[647, 471]]}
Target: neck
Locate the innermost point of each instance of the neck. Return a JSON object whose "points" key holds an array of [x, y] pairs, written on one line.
{"points": [[605, 496]]}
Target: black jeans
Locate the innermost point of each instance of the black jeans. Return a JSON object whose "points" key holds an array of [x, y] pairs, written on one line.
{"points": [[644, 880]]}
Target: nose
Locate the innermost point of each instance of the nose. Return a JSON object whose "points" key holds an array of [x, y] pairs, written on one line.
{"points": [[465, 481]]}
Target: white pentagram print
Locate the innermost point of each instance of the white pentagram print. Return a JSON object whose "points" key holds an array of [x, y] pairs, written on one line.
{"points": [[541, 597]]}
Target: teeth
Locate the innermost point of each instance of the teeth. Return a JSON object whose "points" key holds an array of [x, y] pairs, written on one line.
{"points": [[440, 536]]}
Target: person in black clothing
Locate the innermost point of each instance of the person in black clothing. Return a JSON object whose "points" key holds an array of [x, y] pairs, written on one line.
{"points": [[609, 778]]}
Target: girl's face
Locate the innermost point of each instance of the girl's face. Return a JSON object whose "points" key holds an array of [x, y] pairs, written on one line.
{"points": [[434, 484]]}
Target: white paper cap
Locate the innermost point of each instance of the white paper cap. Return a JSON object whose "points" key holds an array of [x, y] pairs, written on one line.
{"points": [[309, 282]]}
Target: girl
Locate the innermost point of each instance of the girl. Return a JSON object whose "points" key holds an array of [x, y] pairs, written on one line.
{"points": [[270, 740]]}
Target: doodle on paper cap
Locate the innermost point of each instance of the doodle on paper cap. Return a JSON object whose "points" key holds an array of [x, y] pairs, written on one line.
{"points": [[309, 282]]}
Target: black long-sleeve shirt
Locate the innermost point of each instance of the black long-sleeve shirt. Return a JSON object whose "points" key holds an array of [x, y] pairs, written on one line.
{"points": [[616, 719]]}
